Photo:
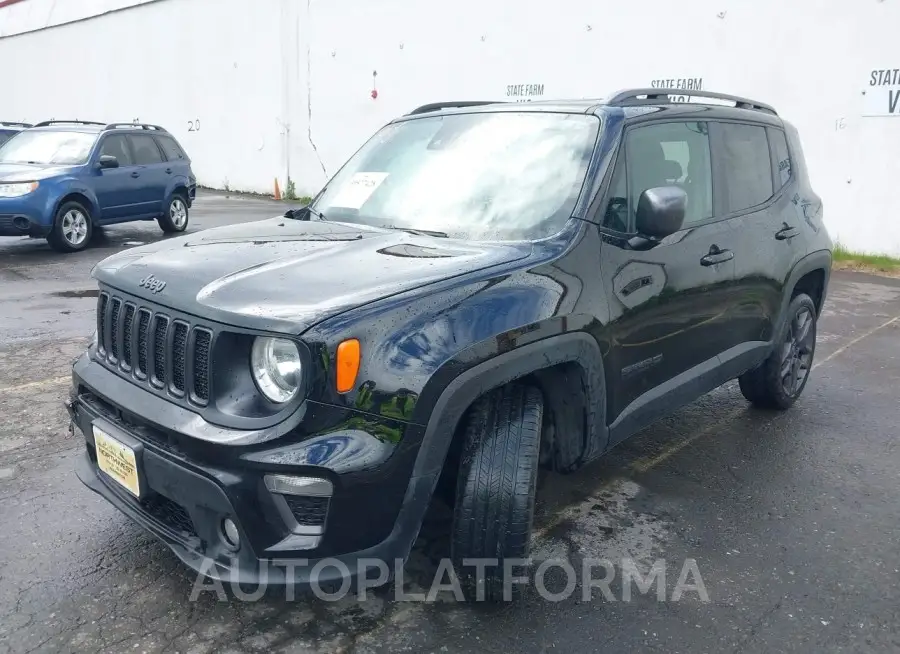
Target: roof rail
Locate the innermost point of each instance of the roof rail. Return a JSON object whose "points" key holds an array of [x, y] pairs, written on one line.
{"points": [[155, 128], [10, 123], [437, 106], [655, 96], [46, 123]]}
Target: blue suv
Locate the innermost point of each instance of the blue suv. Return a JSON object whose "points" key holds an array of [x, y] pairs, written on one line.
{"points": [[60, 179]]}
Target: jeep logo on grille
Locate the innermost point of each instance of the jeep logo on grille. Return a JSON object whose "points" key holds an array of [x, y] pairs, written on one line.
{"points": [[152, 284]]}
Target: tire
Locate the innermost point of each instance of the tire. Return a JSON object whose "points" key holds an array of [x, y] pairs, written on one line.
{"points": [[176, 217], [495, 491], [781, 378], [72, 228]]}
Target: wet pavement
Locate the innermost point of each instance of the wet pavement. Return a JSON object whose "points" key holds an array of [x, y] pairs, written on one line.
{"points": [[791, 521]]}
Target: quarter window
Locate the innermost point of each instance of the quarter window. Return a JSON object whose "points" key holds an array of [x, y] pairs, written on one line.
{"points": [[672, 154], [782, 156], [616, 213], [170, 148], [746, 166], [145, 150]]}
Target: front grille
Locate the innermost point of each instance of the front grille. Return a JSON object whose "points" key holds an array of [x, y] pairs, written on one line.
{"points": [[114, 329], [101, 323], [150, 345], [179, 349], [143, 343], [159, 349], [308, 511], [202, 341], [127, 328]]}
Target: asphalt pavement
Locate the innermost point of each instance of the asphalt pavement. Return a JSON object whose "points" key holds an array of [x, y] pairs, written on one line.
{"points": [[776, 532]]}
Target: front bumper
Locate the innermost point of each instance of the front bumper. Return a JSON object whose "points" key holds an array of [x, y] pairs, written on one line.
{"points": [[25, 215], [189, 487], [21, 223]]}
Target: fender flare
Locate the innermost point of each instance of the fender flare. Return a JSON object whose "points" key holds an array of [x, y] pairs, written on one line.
{"points": [[459, 394], [818, 260]]}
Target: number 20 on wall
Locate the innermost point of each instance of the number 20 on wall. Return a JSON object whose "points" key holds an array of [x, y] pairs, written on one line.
{"points": [[194, 125]]}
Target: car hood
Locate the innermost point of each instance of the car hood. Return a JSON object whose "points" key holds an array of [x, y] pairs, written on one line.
{"points": [[286, 275], [30, 173]]}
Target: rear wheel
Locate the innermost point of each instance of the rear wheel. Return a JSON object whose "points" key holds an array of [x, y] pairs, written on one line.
{"points": [[175, 219], [779, 380], [495, 491], [72, 228]]}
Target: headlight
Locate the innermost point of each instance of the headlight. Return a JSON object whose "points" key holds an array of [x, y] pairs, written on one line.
{"points": [[276, 367], [15, 190]]}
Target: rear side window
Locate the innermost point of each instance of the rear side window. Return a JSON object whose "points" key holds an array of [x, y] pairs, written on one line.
{"points": [[4, 137], [746, 166], [782, 157], [117, 147], [145, 150], [171, 148]]}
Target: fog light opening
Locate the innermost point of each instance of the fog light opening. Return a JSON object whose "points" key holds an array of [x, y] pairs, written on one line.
{"points": [[230, 535], [21, 223]]}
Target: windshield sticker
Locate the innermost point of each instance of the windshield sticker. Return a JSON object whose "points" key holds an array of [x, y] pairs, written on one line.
{"points": [[361, 186]]}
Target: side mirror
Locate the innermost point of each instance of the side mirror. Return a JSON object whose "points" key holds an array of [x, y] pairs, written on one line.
{"points": [[107, 161], [660, 211]]}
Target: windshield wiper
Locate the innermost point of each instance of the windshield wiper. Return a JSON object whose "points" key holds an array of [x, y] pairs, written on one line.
{"points": [[418, 232], [317, 214]]}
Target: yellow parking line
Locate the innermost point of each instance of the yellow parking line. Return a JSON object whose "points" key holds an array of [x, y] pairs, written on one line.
{"points": [[36, 384], [645, 464], [854, 342], [579, 510]]}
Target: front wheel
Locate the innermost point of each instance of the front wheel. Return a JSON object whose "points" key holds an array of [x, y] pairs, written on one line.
{"points": [[494, 508], [72, 228], [176, 217], [779, 380]]}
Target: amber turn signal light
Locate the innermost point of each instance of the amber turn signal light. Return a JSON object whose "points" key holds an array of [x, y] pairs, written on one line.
{"points": [[347, 365]]}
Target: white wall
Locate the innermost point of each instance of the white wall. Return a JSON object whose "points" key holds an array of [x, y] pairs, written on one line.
{"points": [[271, 79]]}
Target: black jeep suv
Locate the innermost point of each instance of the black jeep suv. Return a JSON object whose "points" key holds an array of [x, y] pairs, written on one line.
{"points": [[482, 290]]}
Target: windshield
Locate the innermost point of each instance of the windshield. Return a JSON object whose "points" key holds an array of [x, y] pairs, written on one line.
{"points": [[61, 148], [488, 176]]}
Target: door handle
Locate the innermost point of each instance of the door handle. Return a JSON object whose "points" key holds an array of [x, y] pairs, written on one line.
{"points": [[135, 174], [786, 232], [716, 256]]}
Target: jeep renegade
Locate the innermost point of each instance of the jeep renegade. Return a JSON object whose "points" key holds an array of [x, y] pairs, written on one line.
{"points": [[483, 289]]}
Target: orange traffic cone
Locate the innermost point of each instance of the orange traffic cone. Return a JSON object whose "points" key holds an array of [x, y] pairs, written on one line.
{"points": [[277, 190]]}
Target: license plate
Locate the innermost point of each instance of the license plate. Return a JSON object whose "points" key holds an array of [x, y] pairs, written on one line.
{"points": [[117, 460]]}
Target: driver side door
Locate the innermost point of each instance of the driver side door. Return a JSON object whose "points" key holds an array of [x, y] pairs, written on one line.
{"points": [[669, 304]]}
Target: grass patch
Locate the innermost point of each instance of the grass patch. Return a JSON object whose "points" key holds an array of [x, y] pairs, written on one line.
{"points": [[846, 259]]}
